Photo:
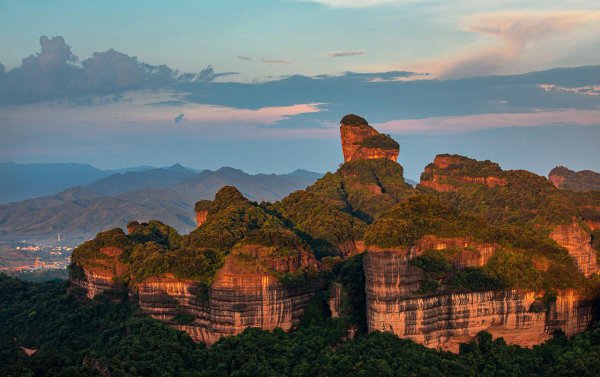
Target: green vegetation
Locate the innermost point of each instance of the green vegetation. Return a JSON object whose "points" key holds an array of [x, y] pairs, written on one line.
{"points": [[353, 305], [339, 206], [381, 141], [527, 198], [420, 215], [89, 251], [202, 205], [441, 276], [153, 248], [511, 267], [82, 339], [283, 241], [230, 218], [153, 231]]}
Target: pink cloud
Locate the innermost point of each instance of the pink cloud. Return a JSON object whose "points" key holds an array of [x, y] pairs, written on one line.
{"points": [[468, 123], [516, 34]]}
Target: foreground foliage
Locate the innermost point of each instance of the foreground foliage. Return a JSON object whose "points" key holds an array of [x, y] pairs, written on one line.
{"points": [[88, 338]]}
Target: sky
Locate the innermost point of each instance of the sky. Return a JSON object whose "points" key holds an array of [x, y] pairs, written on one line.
{"points": [[261, 85]]}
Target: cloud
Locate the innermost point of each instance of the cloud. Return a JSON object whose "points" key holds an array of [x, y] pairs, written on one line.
{"points": [[136, 114], [208, 74], [245, 58], [179, 118], [516, 33], [55, 72], [459, 124], [589, 90], [276, 61], [357, 3], [344, 54]]}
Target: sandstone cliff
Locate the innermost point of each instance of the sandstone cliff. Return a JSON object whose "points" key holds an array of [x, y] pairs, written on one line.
{"points": [[243, 294], [445, 320], [240, 268], [578, 243], [361, 141]]}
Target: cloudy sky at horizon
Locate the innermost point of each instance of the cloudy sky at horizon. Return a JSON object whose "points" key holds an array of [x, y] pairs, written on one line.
{"points": [[214, 83]]}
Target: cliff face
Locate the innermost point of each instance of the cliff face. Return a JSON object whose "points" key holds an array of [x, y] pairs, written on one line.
{"points": [[361, 141], [245, 293], [584, 180], [446, 320], [201, 217], [439, 175], [578, 243], [104, 274]]}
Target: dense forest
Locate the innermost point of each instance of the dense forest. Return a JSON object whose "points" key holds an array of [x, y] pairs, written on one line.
{"points": [[103, 338]]}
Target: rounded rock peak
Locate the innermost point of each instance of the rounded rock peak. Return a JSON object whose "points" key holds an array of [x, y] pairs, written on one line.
{"points": [[354, 120]]}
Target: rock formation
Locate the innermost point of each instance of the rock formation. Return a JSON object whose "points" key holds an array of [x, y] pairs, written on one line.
{"points": [[250, 265], [441, 174], [584, 180], [201, 209], [243, 294], [361, 141], [577, 241], [448, 319]]}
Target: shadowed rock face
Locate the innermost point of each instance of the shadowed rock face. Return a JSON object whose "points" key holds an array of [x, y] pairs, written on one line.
{"points": [[104, 274], [584, 180], [361, 141], [446, 320], [577, 241]]}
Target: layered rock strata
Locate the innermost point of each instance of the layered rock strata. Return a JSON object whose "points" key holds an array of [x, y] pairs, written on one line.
{"points": [[242, 295], [361, 141], [446, 320], [438, 175], [103, 274]]}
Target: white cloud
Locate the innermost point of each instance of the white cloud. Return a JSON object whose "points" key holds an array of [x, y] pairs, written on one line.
{"points": [[516, 35]]}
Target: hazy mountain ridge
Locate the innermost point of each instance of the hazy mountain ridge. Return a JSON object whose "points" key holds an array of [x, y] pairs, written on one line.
{"points": [[78, 213]]}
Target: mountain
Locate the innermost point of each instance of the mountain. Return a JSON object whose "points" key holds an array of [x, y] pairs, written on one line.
{"points": [[471, 248], [25, 181], [138, 180], [79, 213], [258, 187], [584, 180]]}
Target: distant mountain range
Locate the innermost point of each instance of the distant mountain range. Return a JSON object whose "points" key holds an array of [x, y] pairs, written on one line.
{"points": [[166, 194], [27, 181]]}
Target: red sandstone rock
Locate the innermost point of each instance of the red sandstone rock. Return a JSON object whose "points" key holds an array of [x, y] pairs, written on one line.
{"points": [[446, 320], [354, 130], [103, 275], [578, 243], [201, 217], [245, 293]]}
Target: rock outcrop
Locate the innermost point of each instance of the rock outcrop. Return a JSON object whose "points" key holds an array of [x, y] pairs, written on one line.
{"points": [[584, 180], [103, 274], [201, 210], [578, 243], [245, 293], [448, 319], [361, 141], [443, 174]]}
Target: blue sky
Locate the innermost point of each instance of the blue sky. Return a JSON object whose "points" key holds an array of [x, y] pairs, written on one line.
{"points": [[112, 110]]}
